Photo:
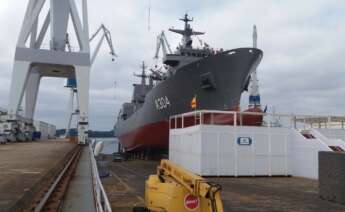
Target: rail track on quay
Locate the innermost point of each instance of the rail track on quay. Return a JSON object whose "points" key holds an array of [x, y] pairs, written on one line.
{"points": [[51, 197]]}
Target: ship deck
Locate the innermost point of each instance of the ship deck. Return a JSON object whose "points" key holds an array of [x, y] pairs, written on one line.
{"points": [[26, 167], [126, 184]]}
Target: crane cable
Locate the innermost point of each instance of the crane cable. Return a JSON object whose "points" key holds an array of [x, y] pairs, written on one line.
{"points": [[149, 16]]}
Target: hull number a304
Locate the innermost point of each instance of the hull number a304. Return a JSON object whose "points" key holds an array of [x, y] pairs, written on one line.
{"points": [[162, 103]]}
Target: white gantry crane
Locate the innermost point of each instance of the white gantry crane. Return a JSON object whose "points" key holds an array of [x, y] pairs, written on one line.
{"points": [[33, 62], [163, 43], [254, 95], [72, 84]]}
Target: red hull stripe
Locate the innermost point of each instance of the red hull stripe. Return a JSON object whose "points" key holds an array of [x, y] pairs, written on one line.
{"points": [[154, 136]]}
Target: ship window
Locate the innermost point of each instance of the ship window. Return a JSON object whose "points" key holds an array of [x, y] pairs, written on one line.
{"points": [[232, 52]]}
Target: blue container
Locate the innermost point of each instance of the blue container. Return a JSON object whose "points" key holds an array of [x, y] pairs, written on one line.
{"points": [[71, 83], [73, 132], [36, 136]]}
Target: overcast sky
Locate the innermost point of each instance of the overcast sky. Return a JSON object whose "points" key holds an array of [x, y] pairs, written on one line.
{"points": [[303, 42]]}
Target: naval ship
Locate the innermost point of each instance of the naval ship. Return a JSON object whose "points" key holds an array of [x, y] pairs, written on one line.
{"points": [[214, 80]]}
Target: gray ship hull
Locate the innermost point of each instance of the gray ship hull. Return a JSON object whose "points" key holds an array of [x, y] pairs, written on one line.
{"points": [[217, 82]]}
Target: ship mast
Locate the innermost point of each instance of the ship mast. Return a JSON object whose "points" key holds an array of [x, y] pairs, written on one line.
{"points": [[254, 95], [143, 75], [187, 32]]}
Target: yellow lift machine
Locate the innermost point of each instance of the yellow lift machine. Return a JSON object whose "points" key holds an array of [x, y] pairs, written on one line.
{"points": [[174, 189]]}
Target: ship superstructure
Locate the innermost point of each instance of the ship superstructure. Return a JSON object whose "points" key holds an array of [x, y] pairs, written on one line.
{"points": [[185, 53]]}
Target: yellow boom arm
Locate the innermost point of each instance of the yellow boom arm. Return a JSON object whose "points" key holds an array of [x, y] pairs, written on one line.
{"points": [[170, 189]]}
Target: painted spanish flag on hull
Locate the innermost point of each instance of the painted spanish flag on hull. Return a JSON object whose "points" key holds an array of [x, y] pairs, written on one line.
{"points": [[194, 103]]}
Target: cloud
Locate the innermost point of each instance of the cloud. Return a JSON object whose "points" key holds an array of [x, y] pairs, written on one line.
{"points": [[302, 69]]}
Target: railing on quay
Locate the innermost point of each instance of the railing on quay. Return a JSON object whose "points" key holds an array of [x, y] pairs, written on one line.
{"points": [[101, 198]]}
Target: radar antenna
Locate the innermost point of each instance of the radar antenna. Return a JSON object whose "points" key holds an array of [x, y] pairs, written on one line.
{"points": [[187, 32], [186, 19]]}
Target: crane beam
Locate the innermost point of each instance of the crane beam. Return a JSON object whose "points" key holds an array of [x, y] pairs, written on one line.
{"points": [[106, 35], [95, 53], [162, 42]]}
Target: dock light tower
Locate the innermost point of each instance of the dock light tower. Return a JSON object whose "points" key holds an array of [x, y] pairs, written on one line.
{"points": [[254, 95], [33, 62]]}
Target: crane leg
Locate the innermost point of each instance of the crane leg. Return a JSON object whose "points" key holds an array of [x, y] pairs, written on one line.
{"points": [[31, 94], [69, 112], [12, 126], [83, 78]]}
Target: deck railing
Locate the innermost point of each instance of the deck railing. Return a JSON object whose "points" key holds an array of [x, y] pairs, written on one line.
{"points": [[101, 198], [209, 117]]}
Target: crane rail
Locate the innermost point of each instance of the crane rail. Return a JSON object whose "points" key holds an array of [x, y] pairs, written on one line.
{"points": [[51, 198]]}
